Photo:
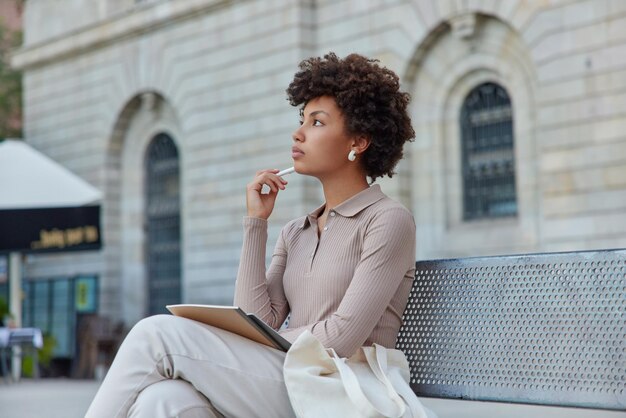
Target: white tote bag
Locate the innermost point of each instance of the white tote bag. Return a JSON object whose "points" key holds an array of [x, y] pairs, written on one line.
{"points": [[372, 383]]}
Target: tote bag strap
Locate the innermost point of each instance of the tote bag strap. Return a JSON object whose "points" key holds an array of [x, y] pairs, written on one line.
{"points": [[415, 406], [397, 384], [356, 395], [377, 360]]}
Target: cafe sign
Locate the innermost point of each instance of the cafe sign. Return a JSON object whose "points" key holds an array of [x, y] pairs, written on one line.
{"points": [[50, 229]]}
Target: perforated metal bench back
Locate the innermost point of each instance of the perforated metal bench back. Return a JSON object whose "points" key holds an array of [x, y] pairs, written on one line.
{"points": [[545, 329]]}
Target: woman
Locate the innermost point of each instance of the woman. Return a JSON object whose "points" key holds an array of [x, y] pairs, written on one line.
{"points": [[343, 272]]}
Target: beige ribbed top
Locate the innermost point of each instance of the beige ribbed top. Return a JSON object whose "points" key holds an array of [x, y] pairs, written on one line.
{"points": [[349, 287]]}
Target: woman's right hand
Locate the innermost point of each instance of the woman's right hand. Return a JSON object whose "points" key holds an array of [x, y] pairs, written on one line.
{"points": [[261, 205]]}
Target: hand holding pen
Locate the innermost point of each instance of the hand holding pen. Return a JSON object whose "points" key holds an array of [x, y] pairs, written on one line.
{"points": [[259, 204]]}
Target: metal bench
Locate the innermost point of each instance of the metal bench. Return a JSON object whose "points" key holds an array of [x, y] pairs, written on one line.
{"points": [[544, 329]]}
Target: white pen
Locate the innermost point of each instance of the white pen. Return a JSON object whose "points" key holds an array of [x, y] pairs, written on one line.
{"points": [[266, 189], [286, 171]]}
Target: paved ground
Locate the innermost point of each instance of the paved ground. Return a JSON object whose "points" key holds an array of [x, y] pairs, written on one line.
{"points": [[46, 398], [64, 398]]}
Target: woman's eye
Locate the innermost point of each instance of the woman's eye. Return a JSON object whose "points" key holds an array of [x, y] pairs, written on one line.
{"points": [[316, 122]]}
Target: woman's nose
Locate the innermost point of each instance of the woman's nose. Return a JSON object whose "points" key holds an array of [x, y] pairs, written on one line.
{"points": [[297, 135]]}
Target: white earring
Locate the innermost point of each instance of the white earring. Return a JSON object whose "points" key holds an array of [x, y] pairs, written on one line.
{"points": [[352, 155]]}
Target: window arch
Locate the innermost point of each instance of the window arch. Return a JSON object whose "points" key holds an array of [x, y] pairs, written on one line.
{"points": [[488, 158], [162, 215]]}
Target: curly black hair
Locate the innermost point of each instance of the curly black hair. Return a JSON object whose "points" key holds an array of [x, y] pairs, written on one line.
{"points": [[369, 97]]}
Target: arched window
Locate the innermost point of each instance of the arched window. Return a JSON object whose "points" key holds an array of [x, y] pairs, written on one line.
{"points": [[162, 224], [488, 154]]}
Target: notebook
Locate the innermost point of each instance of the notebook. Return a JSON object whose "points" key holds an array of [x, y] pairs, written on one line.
{"points": [[233, 319]]}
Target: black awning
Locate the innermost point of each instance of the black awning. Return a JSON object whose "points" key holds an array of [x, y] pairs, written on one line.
{"points": [[46, 230]]}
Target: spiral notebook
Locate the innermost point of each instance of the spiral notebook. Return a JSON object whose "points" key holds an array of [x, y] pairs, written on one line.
{"points": [[233, 319]]}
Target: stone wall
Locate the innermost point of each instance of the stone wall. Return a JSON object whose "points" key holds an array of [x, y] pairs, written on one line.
{"points": [[213, 74], [217, 81]]}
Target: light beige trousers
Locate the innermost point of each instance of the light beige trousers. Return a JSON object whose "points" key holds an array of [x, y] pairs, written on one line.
{"points": [[175, 367]]}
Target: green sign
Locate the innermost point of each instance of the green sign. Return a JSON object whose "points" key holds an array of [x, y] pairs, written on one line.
{"points": [[86, 295]]}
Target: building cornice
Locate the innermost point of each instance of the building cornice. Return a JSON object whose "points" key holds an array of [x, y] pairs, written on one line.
{"points": [[134, 22]]}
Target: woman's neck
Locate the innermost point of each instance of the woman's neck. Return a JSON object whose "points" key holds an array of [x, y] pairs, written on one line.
{"points": [[341, 188]]}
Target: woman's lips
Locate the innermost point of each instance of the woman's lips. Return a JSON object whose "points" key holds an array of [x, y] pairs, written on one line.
{"points": [[296, 152]]}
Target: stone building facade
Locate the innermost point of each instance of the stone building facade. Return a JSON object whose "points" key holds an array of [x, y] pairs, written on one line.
{"points": [[104, 79]]}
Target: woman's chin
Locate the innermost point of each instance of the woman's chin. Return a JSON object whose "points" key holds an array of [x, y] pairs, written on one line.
{"points": [[297, 167], [301, 169]]}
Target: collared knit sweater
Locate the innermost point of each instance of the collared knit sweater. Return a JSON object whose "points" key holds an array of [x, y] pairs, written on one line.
{"points": [[348, 285]]}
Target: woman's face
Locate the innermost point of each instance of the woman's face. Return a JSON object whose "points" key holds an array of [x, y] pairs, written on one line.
{"points": [[321, 144]]}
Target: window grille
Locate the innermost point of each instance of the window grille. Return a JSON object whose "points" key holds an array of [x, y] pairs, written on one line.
{"points": [[162, 224], [488, 158]]}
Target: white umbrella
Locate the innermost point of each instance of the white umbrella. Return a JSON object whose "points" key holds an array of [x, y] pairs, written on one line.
{"points": [[30, 179]]}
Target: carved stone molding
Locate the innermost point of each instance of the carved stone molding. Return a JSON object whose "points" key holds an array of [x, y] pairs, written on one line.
{"points": [[464, 25]]}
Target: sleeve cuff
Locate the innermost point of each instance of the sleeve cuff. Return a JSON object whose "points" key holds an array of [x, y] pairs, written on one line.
{"points": [[252, 222]]}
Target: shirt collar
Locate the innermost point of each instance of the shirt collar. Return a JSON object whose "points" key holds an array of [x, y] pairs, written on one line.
{"points": [[349, 207]]}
